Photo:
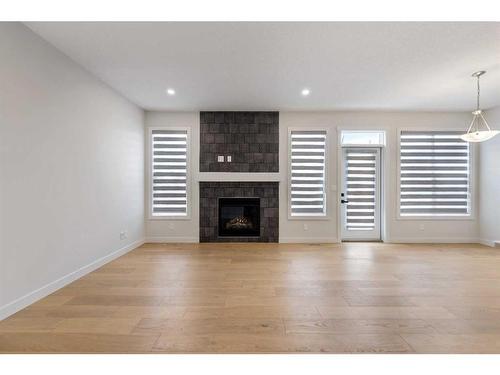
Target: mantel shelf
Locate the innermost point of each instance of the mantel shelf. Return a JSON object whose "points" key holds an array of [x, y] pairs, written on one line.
{"points": [[237, 176]]}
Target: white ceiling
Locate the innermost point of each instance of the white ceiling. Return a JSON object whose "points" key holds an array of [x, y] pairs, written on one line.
{"points": [[264, 66]]}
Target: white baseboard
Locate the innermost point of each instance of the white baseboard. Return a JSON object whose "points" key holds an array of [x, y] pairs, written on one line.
{"points": [[432, 240], [170, 239], [308, 240], [32, 297], [490, 243]]}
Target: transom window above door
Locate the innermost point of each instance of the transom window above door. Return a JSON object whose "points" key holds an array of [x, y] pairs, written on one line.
{"points": [[362, 138]]}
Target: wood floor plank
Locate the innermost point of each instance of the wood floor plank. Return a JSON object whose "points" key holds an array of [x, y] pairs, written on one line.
{"points": [[249, 311], [161, 312], [465, 326], [317, 291], [119, 326], [179, 327], [468, 312], [38, 324], [459, 301], [196, 300], [284, 301], [358, 326], [74, 343], [112, 300], [384, 312], [364, 300]]}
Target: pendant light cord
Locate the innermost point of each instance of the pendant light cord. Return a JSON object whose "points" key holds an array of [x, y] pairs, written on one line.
{"points": [[478, 92]]}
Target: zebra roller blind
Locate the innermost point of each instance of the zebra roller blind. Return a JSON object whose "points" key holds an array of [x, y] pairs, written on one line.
{"points": [[169, 172], [307, 183], [361, 188], [434, 174]]}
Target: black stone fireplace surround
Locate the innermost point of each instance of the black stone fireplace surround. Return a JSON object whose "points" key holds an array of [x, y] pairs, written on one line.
{"points": [[250, 138], [262, 198]]}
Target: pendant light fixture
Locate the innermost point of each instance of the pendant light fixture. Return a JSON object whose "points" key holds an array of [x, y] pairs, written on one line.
{"points": [[479, 130]]}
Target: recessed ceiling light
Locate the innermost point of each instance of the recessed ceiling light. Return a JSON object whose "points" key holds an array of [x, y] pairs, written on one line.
{"points": [[170, 91], [305, 92]]}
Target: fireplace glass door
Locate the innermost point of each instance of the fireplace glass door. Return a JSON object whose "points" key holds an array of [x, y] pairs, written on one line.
{"points": [[239, 217]]}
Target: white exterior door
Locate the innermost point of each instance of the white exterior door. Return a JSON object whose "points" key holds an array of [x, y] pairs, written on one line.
{"points": [[360, 194]]}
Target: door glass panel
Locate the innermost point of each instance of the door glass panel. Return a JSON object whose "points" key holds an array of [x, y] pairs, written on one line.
{"points": [[360, 201]]}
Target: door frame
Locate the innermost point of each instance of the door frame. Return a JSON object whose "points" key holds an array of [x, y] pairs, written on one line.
{"points": [[384, 175], [378, 194]]}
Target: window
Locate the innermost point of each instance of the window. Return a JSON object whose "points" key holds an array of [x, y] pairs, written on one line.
{"points": [[307, 171], [362, 137], [169, 172], [434, 177]]}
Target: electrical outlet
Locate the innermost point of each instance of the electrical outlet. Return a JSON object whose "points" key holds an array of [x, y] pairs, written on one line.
{"points": [[123, 235], [228, 158], [306, 227], [220, 158], [421, 227]]}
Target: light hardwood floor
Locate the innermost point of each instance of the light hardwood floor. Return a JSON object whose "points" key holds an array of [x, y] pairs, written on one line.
{"points": [[270, 298]]}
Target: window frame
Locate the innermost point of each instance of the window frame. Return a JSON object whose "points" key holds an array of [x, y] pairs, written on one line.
{"points": [[150, 174], [325, 215], [472, 181]]}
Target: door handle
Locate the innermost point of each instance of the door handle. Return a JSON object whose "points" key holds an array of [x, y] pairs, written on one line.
{"points": [[343, 201]]}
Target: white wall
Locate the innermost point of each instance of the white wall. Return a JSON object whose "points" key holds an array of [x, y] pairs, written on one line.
{"points": [[326, 230], [71, 170], [489, 177]]}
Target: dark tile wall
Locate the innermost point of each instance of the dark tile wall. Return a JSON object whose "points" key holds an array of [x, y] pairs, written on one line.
{"points": [[268, 192], [251, 138]]}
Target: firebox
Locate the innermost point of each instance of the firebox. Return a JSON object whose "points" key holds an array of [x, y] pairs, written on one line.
{"points": [[239, 217]]}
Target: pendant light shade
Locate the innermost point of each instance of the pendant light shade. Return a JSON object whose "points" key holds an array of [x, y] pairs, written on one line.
{"points": [[478, 130], [479, 136]]}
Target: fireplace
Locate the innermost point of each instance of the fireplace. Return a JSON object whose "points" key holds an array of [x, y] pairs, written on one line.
{"points": [[223, 201], [239, 217]]}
